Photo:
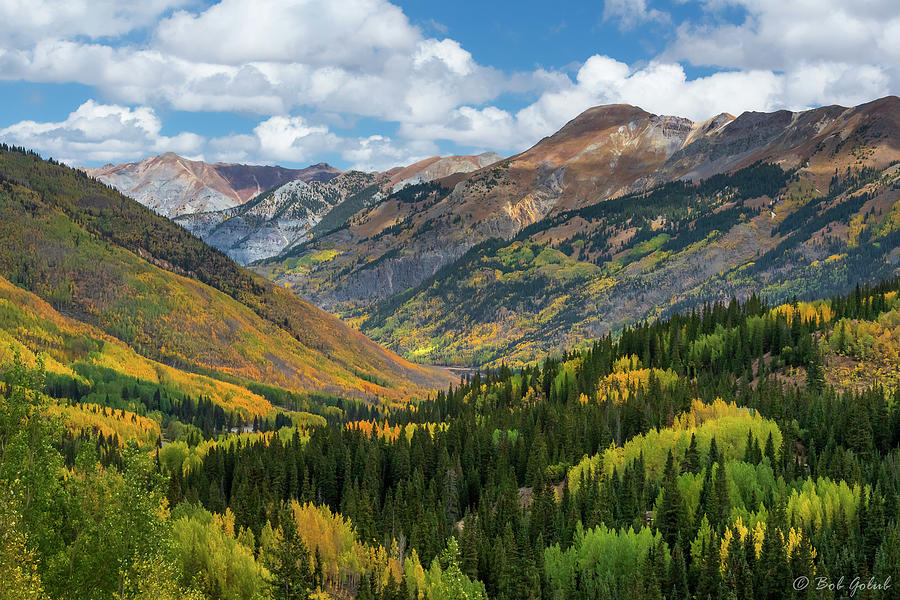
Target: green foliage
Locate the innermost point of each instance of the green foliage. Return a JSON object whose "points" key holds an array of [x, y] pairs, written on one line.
{"points": [[219, 565], [601, 561], [446, 581], [289, 563], [707, 463]]}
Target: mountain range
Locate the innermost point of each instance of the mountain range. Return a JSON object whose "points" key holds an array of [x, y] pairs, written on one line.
{"points": [[254, 212], [619, 216], [172, 185]]}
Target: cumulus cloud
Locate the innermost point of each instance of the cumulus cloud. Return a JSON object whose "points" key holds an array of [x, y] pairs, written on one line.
{"points": [[379, 153], [276, 139], [270, 57], [25, 21], [660, 88], [779, 35], [101, 133], [358, 33], [295, 140], [353, 59]]}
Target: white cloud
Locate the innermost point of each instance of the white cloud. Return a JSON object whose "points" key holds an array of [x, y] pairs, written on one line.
{"points": [[414, 83], [277, 139], [631, 13], [356, 33], [294, 140], [25, 21], [447, 53], [343, 60], [778, 35], [101, 133], [380, 153], [661, 88]]}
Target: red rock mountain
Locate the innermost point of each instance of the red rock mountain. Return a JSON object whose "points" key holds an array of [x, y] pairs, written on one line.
{"points": [[172, 185]]}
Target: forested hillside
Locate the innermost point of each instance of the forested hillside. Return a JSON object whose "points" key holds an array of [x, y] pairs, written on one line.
{"points": [[722, 452], [619, 216], [589, 271], [105, 260]]}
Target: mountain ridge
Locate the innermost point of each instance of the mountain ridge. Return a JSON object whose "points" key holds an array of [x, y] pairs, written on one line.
{"points": [[173, 185], [288, 215], [112, 263], [388, 250]]}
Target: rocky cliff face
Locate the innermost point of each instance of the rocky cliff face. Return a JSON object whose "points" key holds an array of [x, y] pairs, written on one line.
{"points": [[275, 220], [172, 185], [288, 215]]}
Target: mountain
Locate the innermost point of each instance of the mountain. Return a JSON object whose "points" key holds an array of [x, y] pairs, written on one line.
{"points": [[159, 439], [438, 167], [292, 213], [619, 216], [277, 219], [172, 185], [99, 258]]}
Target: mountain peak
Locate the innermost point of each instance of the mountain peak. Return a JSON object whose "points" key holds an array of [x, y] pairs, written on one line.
{"points": [[438, 167], [173, 185]]}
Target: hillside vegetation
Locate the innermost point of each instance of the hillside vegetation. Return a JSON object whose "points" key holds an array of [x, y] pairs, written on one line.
{"points": [[589, 271], [715, 453], [107, 261]]}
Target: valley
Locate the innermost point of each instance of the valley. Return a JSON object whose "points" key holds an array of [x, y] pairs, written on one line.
{"points": [[680, 374], [394, 300]]}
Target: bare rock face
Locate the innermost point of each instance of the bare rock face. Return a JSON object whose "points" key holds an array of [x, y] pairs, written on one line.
{"points": [[172, 185], [288, 215], [271, 222], [436, 167]]}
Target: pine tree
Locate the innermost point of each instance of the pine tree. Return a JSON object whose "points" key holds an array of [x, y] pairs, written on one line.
{"points": [[887, 559], [469, 547], [770, 452], [815, 375], [709, 574], [722, 494], [289, 568], [677, 580], [692, 456], [713, 456], [672, 517]]}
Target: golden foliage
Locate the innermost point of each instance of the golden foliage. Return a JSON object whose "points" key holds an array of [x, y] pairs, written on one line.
{"points": [[108, 421]]}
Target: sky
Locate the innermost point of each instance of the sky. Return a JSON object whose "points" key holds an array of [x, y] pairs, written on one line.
{"points": [[372, 84]]}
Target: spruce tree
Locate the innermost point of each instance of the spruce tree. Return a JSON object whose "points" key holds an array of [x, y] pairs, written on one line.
{"points": [[289, 566]]}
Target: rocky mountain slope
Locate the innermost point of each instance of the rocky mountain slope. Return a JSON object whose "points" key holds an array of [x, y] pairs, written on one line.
{"points": [[438, 167], [172, 185], [595, 227], [277, 219], [289, 215], [104, 260]]}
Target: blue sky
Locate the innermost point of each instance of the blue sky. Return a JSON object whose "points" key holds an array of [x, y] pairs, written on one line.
{"points": [[373, 84]]}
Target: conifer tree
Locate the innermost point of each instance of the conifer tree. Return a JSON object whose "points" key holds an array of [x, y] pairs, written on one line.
{"points": [[289, 567]]}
